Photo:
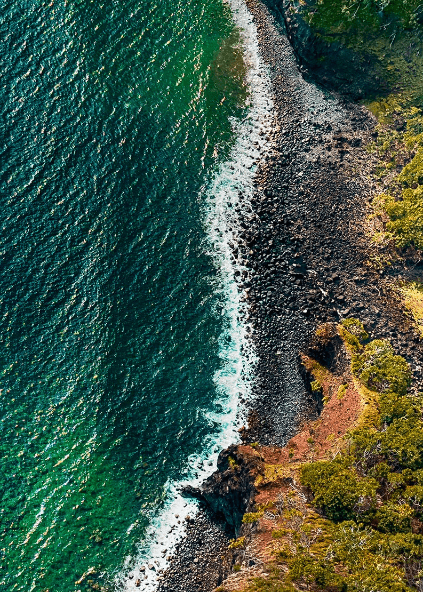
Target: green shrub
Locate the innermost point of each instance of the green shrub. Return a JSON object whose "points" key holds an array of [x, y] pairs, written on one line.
{"points": [[350, 339], [356, 328], [414, 496], [401, 444], [238, 543], [406, 217], [378, 576], [394, 518], [368, 556], [337, 488], [306, 568], [380, 472], [393, 406], [396, 482], [232, 463], [315, 386], [274, 582], [251, 517], [380, 369], [412, 174], [342, 389]]}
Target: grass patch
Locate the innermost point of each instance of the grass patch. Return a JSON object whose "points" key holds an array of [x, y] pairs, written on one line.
{"points": [[275, 473]]}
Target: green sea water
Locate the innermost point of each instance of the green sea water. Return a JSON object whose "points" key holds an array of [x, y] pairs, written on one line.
{"points": [[113, 117]]}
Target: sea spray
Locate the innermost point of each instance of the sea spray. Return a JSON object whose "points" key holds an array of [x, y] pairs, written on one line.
{"points": [[222, 212]]}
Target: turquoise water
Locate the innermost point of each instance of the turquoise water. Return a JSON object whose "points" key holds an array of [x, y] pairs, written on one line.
{"points": [[114, 115]]}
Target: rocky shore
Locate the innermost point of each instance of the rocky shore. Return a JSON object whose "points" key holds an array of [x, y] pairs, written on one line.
{"points": [[308, 250]]}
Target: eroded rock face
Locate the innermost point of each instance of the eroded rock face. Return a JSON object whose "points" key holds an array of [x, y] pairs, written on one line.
{"points": [[230, 490]]}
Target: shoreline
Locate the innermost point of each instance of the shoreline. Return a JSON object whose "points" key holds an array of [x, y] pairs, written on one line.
{"points": [[223, 215], [307, 249]]}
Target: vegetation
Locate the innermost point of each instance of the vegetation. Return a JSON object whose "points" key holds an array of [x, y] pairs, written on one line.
{"points": [[338, 489], [356, 525], [400, 152], [253, 517], [316, 386], [412, 294], [238, 543], [380, 370], [356, 328], [353, 333], [232, 463], [342, 390]]}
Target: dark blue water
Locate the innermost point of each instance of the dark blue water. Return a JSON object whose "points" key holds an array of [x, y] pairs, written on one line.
{"points": [[113, 116]]}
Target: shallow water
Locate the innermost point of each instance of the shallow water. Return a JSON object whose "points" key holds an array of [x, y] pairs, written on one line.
{"points": [[113, 316]]}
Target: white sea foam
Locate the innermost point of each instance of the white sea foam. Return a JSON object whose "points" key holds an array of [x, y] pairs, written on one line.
{"points": [[221, 196]]}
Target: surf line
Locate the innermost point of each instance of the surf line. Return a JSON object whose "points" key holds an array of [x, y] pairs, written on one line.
{"points": [[223, 213]]}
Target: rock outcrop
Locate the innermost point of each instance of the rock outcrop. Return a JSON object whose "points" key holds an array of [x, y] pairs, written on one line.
{"points": [[230, 490]]}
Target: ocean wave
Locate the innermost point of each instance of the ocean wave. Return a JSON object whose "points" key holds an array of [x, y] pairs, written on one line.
{"points": [[226, 202]]}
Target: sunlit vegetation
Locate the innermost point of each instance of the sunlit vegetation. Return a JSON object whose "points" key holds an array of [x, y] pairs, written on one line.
{"points": [[412, 294], [401, 171], [356, 522]]}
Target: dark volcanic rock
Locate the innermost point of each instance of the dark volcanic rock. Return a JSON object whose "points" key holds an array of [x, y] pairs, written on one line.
{"points": [[201, 561], [228, 492]]}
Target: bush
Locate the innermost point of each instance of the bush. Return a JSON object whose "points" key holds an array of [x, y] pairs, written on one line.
{"points": [[380, 370], [406, 217], [272, 583], [316, 386], [368, 556], [238, 543], [414, 496], [252, 517], [401, 444], [310, 570], [356, 328], [393, 406], [350, 339], [394, 518], [337, 488]]}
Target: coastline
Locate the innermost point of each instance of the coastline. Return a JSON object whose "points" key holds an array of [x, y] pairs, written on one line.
{"points": [[225, 207], [307, 247]]}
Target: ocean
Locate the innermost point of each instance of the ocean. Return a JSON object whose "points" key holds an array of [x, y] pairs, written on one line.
{"points": [[130, 130]]}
